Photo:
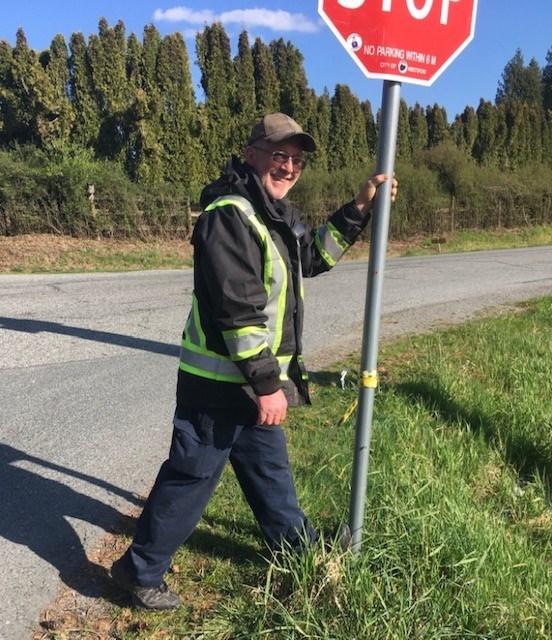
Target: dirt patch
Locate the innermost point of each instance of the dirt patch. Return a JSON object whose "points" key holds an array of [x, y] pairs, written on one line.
{"points": [[47, 253], [52, 253]]}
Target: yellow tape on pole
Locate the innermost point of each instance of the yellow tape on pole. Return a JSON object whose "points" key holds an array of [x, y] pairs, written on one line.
{"points": [[369, 379]]}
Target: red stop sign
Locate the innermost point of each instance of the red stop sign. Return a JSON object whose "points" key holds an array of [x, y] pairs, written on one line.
{"points": [[405, 40]]}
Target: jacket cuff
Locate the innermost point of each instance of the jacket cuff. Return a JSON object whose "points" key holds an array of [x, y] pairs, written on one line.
{"points": [[262, 372], [266, 387], [349, 221]]}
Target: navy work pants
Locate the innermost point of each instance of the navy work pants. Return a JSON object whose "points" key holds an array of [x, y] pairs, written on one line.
{"points": [[203, 440]]}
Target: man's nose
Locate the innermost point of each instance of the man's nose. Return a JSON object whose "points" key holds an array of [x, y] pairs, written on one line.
{"points": [[288, 165]]}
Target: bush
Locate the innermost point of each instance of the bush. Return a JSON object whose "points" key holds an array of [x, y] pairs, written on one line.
{"points": [[441, 190], [41, 194], [421, 207]]}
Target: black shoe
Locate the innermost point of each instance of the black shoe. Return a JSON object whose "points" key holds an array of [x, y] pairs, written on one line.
{"points": [[152, 598]]}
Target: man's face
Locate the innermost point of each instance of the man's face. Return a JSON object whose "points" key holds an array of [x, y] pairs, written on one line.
{"points": [[277, 177]]}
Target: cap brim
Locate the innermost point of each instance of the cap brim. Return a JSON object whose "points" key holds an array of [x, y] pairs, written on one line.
{"points": [[306, 141]]}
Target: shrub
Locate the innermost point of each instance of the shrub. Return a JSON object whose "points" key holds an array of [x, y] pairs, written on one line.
{"points": [[441, 190]]}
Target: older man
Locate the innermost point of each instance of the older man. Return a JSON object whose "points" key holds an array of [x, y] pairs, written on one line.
{"points": [[240, 364]]}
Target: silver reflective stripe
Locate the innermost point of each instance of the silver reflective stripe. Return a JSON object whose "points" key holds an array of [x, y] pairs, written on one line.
{"points": [[191, 329], [245, 343], [331, 244], [284, 362], [208, 364]]}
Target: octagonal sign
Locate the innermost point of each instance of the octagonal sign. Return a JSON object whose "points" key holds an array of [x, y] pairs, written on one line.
{"points": [[403, 40]]}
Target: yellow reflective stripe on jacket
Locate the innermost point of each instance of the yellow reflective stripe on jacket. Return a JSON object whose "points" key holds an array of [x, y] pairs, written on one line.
{"points": [[275, 275], [208, 364], [244, 342], [330, 243]]}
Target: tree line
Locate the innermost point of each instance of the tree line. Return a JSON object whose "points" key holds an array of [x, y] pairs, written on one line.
{"points": [[115, 109]]}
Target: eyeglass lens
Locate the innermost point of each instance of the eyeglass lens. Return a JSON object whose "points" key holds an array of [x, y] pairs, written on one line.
{"points": [[282, 157]]}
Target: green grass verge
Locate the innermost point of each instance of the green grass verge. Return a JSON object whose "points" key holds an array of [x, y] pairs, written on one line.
{"points": [[458, 531], [481, 240]]}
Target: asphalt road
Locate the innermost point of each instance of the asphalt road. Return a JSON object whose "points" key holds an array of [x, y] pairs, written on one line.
{"points": [[87, 383]]}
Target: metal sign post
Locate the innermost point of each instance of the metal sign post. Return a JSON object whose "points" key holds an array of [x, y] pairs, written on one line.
{"points": [[372, 315], [397, 41]]}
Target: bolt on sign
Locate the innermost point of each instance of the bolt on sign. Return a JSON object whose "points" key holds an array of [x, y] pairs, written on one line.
{"points": [[403, 40]]}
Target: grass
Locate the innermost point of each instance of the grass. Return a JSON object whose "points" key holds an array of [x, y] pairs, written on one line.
{"points": [[482, 240], [458, 531], [63, 254]]}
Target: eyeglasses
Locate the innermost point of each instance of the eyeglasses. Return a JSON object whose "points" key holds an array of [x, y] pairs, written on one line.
{"points": [[281, 158]]}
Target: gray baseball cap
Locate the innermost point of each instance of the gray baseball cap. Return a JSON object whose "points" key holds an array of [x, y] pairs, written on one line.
{"points": [[277, 127]]}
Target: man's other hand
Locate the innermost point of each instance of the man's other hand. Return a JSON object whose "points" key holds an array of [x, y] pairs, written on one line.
{"points": [[272, 408]]}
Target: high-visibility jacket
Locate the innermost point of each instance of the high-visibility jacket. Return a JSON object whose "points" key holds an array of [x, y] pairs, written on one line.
{"points": [[243, 334]]}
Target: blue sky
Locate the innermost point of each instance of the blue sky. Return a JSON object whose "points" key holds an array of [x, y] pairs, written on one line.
{"points": [[502, 26]]}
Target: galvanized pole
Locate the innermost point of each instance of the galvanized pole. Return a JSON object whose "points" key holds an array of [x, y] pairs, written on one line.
{"points": [[372, 315]]}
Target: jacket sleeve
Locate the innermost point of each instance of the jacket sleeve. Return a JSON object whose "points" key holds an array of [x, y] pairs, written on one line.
{"points": [[322, 248], [229, 265]]}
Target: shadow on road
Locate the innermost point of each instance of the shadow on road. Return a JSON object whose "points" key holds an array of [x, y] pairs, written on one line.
{"points": [[119, 339], [33, 512]]}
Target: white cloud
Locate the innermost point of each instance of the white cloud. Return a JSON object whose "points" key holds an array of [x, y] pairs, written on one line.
{"points": [[276, 20], [183, 14]]}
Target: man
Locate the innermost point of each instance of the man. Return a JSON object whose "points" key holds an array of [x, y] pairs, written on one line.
{"points": [[240, 364]]}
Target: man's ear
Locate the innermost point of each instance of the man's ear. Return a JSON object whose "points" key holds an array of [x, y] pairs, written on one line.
{"points": [[249, 155]]}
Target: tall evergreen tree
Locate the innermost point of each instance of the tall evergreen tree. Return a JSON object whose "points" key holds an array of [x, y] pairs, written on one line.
{"points": [[511, 85], [535, 129], [142, 149], [404, 135], [245, 106], [147, 148], [55, 121], [500, 135], [437, 125], [86, 126], [218, 82], [347, 145], [183, 159], [134, 64], [151, 42], [22, 92], [6, 93], [520, 83], [456, 132], [312, 123], [107, 55], [547, 138], [518, 140], [323, 110], [469, 128], [418, 128], [371, 127], [267, 87], [485, 148], [288, 62], [547, 82], [534, 83]]}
